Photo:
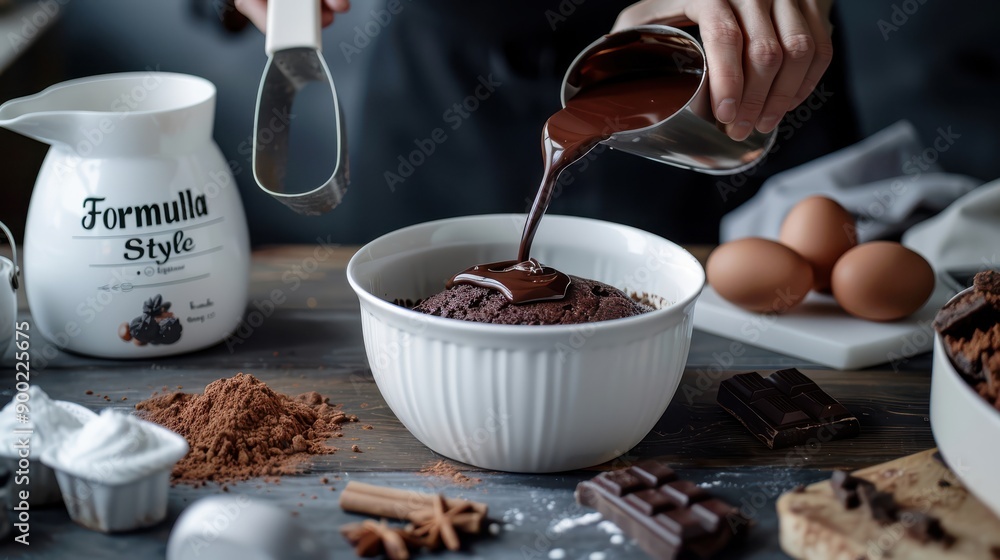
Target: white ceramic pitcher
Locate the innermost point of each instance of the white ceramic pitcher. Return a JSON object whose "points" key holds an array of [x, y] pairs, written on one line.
{"points": [[136, 242]]}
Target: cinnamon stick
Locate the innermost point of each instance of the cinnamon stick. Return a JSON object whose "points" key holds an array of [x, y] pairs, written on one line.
{"points": [[470, 522], [379, 501]]}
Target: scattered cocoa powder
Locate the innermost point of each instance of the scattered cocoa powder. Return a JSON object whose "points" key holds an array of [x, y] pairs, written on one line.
{"points": [[239, 428], [444, 469]]}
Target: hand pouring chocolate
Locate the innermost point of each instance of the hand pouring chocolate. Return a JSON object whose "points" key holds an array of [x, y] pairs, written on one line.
{"points": [[643, 91]]}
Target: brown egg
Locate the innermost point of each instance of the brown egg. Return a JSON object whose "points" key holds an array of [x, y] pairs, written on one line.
{"points": [[882, 281], [821, 231], [760, 275]]}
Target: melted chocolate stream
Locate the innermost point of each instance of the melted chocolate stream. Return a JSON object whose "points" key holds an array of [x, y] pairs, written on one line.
{"points": [[592, 116], [606, 104]]}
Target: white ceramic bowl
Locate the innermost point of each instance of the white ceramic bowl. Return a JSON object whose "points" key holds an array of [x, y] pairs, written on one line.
{"points": [[966, 429], [525, 398]]}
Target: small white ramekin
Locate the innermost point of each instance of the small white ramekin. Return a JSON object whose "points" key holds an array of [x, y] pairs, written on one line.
{"points": [[526, 398], [42, 487], [966, 429], [126, 499]]}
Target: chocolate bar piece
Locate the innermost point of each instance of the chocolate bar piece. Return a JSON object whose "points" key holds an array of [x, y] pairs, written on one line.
{"points": [[925, 528], [963, 316], [988, 282], [881, 505], [845, 488], [968, 326], [786, 408], [852, 491], [667, 516]]}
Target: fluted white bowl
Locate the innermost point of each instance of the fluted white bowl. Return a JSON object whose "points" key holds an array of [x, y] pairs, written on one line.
{"points": [[517, 397]]}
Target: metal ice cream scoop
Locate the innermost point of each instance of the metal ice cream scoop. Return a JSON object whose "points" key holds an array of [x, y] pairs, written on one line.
{"points": [[294, 60]]}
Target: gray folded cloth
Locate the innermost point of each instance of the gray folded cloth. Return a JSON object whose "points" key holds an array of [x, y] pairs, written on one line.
{"points": [[889, 181], [965, 237]]}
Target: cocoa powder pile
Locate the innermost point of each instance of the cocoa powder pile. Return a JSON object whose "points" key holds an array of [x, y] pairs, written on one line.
{"points": [[239, 428]]}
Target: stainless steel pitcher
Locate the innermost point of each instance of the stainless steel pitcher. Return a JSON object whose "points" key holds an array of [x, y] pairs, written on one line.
{"points": [[691, 138]]}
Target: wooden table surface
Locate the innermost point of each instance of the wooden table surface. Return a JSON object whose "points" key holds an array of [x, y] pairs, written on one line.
{"points": [[313, 342]]}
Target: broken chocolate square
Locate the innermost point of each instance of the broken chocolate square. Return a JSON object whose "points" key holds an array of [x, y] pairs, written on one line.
{"points": [[786, 408]]}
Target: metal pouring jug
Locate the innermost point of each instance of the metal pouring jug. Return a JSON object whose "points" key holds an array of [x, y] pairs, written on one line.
{"points": [[9, 273], [691, 138], [136, 243]]}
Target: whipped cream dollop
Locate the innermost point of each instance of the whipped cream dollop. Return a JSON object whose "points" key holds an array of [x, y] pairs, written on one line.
{"points": [[48, 424], [115, 448]]}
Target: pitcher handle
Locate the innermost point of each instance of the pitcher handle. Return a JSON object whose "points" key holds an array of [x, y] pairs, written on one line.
{"points": [[13, 247]]}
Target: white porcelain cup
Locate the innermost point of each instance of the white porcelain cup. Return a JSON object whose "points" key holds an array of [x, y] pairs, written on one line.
{"points": [[8, 295]]}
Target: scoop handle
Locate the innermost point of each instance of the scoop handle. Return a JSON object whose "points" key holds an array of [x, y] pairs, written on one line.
{"points": [[292, 24]]}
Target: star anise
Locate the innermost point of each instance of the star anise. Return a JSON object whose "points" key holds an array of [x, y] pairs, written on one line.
{"points": [[371, 539], [440, 525]]}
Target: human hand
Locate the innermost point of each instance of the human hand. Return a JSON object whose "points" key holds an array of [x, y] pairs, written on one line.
{"points": [[764, 56], [256, 10]]}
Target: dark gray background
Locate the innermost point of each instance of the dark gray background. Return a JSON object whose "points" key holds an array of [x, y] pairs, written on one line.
{"points": [[940, 68]]}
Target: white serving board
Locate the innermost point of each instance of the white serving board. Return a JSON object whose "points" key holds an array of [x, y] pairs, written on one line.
{"points": [[820, 331]]}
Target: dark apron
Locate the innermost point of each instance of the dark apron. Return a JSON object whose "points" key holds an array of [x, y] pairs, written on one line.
{"points": [[452, 117]]}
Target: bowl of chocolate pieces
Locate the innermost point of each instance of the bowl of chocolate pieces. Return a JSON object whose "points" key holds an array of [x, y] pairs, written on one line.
{"points": [[965, 386], [559, 360]]}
